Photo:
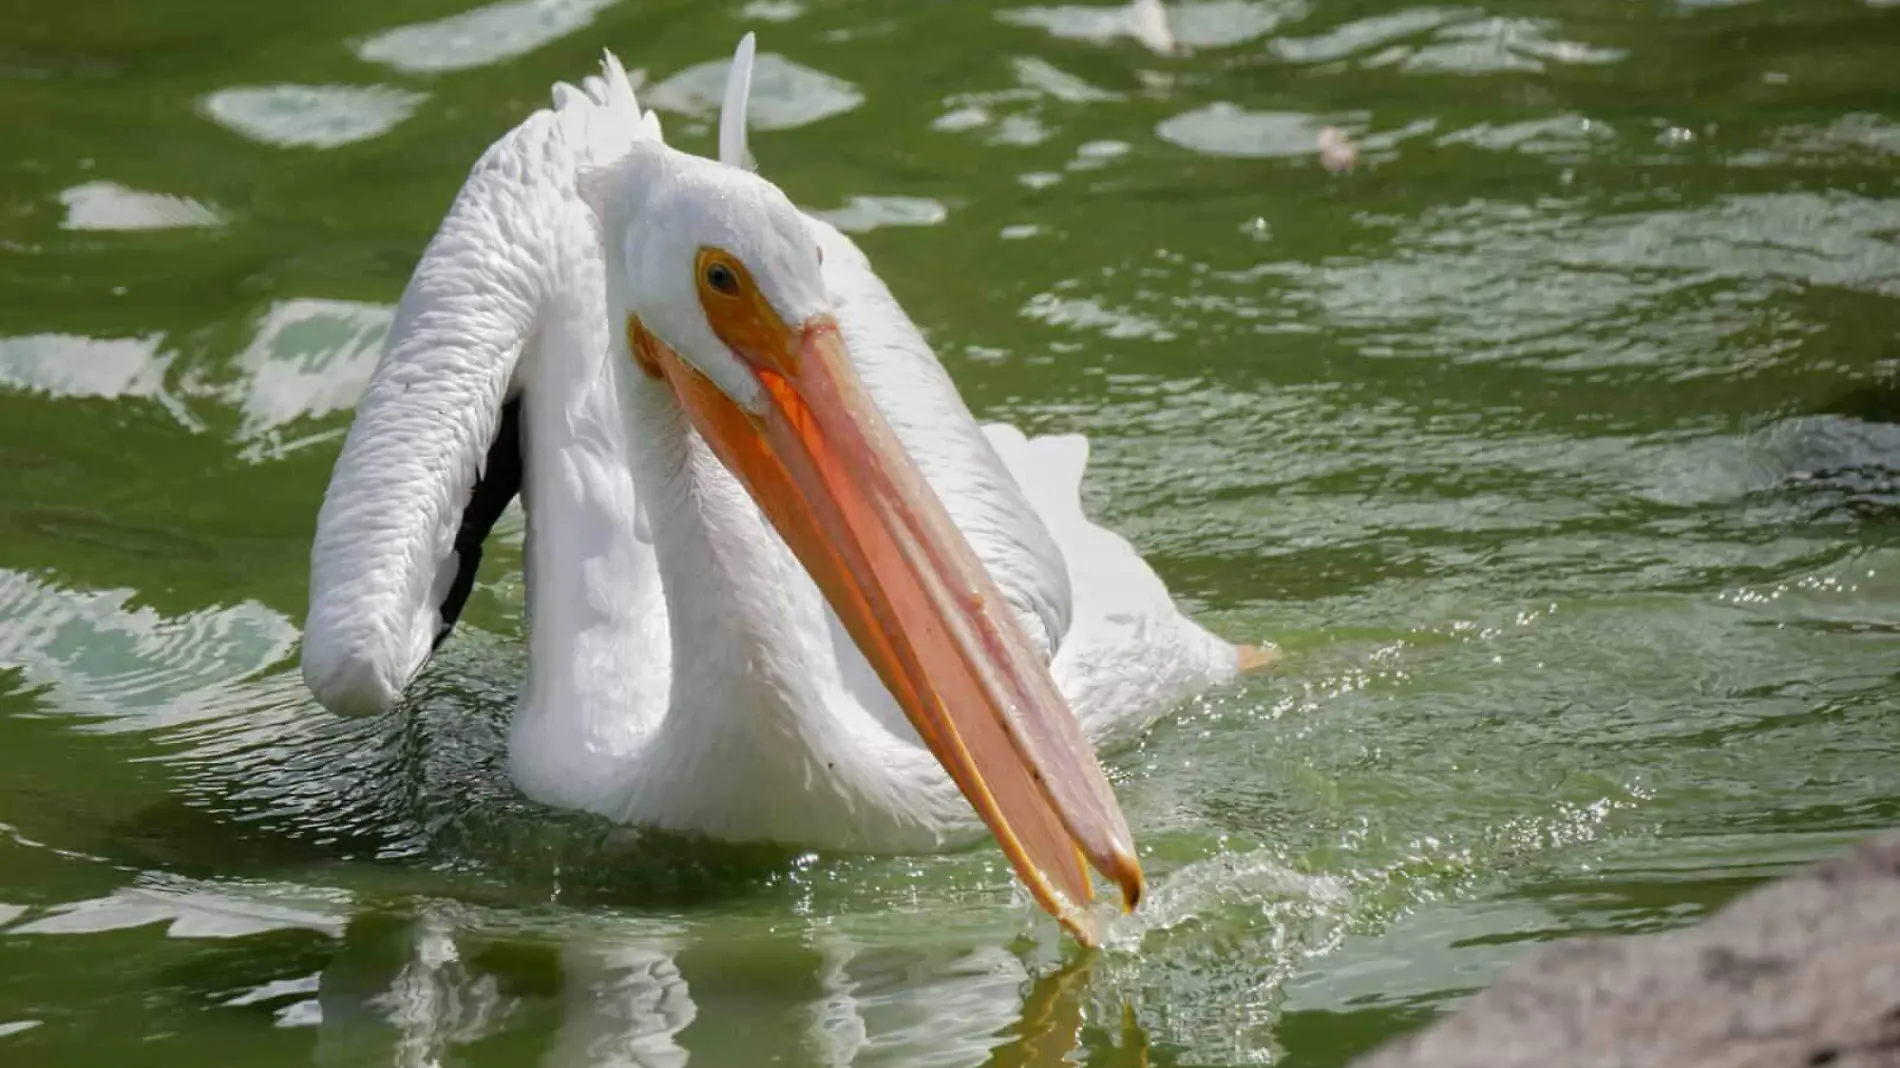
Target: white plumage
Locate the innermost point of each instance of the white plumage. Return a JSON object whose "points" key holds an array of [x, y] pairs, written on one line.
{"points": [[685, 670]]}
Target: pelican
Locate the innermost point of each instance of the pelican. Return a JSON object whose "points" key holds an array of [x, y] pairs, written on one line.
{"points": [[780, 584]]}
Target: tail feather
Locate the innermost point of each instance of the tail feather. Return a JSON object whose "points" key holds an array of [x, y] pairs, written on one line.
{"points": [[1129, 654], [1049, 469]]}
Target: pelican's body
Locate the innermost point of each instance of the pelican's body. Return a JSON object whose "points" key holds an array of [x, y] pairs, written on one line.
{"points": [[686, 670]]}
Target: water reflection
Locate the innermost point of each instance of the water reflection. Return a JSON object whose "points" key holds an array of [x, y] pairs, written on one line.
{"points": [[415, 983], [307, 359], [785, 94], [192, 908], [1565, 138], [772, 10], [1490, 45], [63, 365], [1555, 445], [126, 667], [1574, 289], [476, 38], [1194, 24], [1222, 129], [1366, 33], [311, 116], [1872, 138], [1014, 116], [872, 212], [111, 206]]}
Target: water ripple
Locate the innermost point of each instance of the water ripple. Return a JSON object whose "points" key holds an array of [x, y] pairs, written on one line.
{"points": [[1557, 448], [111, 206], [1491, 45], [477, 38], [195, 909], [62, 365], [307, 359], [311, 116], [865, 213], [130, 668], [1367, 33], [1195, 24], [784, 94]]}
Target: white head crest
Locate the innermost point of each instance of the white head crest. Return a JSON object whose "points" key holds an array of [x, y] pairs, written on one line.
{"points": [[732, 109]]}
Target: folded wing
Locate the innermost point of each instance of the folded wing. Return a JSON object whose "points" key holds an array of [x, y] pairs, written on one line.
{"points": [[436, 450]]}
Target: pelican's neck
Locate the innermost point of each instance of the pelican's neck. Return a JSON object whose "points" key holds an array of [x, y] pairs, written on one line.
{"points": [[593, 597], [749, 635], [764, 737]]}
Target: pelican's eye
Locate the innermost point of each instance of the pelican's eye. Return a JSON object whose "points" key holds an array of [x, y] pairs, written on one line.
{"points": [[722, 280]]}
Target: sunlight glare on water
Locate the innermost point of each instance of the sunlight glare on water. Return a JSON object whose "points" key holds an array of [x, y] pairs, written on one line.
{"points": [[1555, 440]]}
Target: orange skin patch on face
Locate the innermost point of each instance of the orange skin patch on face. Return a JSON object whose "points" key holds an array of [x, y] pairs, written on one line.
{"points": [[739, 313], [646, 350]]}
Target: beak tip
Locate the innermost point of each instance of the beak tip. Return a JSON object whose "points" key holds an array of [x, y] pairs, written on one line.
{"points": [[1133, 886], [1079, 921], [1122, 869]]}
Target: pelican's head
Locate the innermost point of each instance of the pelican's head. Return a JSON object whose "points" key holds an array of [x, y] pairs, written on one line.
{"points": [[714, 262], [716, 283]]}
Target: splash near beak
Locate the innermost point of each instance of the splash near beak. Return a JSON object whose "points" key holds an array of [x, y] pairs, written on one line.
{"points": [[827, 471]]}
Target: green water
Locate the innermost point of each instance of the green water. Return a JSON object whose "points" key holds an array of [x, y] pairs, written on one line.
{"points": [[1558, 444]]}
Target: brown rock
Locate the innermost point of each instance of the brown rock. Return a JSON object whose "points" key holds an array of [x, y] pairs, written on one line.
{"points": [[1802, 972]]}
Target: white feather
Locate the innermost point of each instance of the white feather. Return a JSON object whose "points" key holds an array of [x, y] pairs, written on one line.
{"points": [[1129, 656], [498, 280], [733, 107]]}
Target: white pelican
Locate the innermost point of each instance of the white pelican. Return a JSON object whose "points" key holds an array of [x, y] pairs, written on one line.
{"points": [[780, 584]]}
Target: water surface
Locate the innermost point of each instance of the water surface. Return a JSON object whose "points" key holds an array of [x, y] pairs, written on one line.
{"points": [[1557, 443]]}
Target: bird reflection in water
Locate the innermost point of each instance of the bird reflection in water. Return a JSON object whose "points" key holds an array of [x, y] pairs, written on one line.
{"points": [[1050, 1031], [423, 986]]}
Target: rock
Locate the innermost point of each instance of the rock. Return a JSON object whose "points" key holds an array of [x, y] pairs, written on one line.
{"points": [[1804, 971]]}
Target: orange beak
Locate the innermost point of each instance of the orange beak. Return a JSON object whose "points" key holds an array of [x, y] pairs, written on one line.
{"points": [[829, 474]]}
